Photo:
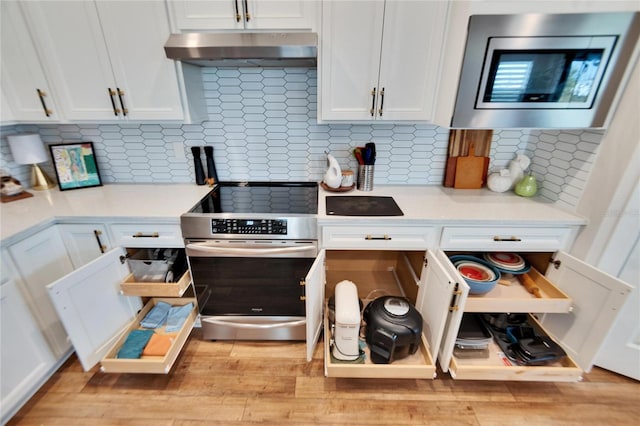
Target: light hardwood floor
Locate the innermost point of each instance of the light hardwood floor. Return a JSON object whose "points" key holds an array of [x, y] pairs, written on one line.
{"points": [[233, 383]]}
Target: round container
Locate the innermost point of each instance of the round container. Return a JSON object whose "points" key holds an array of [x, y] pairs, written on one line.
{"points": [[365, 177], [477, 287], [347, 178]]}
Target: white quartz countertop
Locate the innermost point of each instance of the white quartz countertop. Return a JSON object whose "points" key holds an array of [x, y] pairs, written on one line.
{"points": [[161, 201], [428, 204], [457, 206]]}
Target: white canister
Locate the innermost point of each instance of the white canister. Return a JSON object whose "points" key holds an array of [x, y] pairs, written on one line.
{"points": [[347, 178]]}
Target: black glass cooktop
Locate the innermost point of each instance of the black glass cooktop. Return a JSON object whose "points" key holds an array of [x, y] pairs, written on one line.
{"points": [[260, 197]]}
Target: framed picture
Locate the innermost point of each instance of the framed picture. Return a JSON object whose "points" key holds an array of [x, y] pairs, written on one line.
{"points": [[75, 165]]}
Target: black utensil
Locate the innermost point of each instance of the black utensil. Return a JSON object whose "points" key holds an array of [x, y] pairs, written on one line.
{"points": [[211, 165], [197, 163]]}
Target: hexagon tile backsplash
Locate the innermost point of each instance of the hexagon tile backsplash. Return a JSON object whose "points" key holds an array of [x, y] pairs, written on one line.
{"points": [[262, 125]]}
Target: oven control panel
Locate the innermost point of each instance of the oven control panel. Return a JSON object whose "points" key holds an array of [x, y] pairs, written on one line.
{"points": [[249, 226]]}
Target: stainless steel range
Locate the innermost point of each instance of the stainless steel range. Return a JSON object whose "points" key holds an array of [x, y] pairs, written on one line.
{"points": [[249, 245]]}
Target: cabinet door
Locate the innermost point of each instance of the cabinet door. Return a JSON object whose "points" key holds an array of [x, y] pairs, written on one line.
{"points": [[409, 67], [147, 83], [241, 14], [41, 259], [69, 38], [84, 242], [23, 78], [207, 15], [92, 308], [279, 14], [441, 299], [597, 298], [25, 356], [350, 52], [314, 302]]}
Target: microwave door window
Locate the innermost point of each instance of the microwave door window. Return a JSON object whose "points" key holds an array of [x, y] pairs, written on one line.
{"points": [[554, 77]]}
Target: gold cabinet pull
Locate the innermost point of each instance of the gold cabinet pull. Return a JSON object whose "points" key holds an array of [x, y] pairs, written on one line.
{"points": [[373, 102], [120, 97], [112, 95], [384, 237], [101, 246], [238, 17], [381, 101], [511, 239], [141, 235], [41, 95], [247, 17]]}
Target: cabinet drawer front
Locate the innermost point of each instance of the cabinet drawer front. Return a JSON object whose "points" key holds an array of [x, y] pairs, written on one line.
{"points": [[144, 235], [377, 237], [506, 238], [151, 364]]}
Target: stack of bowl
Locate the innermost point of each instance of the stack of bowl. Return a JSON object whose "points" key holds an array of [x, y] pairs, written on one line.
{"points": [[507, 262], [480, 275]]}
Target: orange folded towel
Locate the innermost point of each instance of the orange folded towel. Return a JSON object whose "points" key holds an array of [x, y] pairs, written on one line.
{"points": [[158, 345]]}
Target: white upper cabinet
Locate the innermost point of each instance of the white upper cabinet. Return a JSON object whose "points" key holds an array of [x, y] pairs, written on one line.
{"points": [[26, 95], [244, 14], [106, 59], [380, 60]]}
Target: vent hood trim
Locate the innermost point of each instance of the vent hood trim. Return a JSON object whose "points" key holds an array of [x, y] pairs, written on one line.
{"points": [[244, 49]]}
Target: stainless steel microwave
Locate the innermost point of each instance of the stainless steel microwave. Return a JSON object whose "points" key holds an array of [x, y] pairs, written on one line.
{"points": [[543, 70]]}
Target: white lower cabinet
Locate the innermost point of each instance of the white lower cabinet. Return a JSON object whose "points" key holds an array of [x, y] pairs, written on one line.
{"points": [[576, 308], [98, 316], [84, 242], [41, 259], [375, 273], [25, 356]]}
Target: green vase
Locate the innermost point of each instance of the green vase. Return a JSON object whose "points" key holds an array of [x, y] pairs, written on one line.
{"points": [[527, 187]]}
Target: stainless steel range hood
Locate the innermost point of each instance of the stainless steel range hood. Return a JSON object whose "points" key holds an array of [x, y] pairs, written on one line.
{"points": [[244, 49]]}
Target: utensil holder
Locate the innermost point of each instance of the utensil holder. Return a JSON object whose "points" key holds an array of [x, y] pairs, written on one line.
{"points": [[365, 177]]}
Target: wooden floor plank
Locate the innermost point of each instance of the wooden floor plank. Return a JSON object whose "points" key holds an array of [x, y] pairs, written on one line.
{"points": [[270, 383]]}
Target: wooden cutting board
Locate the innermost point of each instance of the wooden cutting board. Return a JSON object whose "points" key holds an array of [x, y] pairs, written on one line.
{"points": [[459, 142], [470, 170]]}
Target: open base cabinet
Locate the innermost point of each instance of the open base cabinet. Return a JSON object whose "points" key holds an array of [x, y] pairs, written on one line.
{"points": [[98, 315]]}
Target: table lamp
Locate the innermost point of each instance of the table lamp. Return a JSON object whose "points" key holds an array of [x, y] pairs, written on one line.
{"points": [[29, 149]]}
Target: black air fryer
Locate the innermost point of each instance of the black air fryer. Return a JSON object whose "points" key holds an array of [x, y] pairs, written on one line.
{"points": [[393, 330]]}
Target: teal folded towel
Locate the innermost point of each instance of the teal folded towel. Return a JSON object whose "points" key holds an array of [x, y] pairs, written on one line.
{"points": [[176, 317], [134, 344], [156, 316]]}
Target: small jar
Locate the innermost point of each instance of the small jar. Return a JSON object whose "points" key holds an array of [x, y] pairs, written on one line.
{"points": [[347, 178]]}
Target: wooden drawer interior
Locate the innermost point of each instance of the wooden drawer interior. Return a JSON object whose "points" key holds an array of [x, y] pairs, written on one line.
{"points": [[498, 367], [377, 273], [131, 287], [151, 364], [509, 295]]}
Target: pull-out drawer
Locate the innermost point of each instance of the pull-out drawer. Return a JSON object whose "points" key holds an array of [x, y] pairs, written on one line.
{"points": [[498, 367], [506, 238], [131, 287], [511, 296], [146, 235], [379, 237], [375, 274], [159, 364]]}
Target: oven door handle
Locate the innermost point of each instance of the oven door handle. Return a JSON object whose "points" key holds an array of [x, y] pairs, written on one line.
{"points": [[255, 326], [194, 248]]}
